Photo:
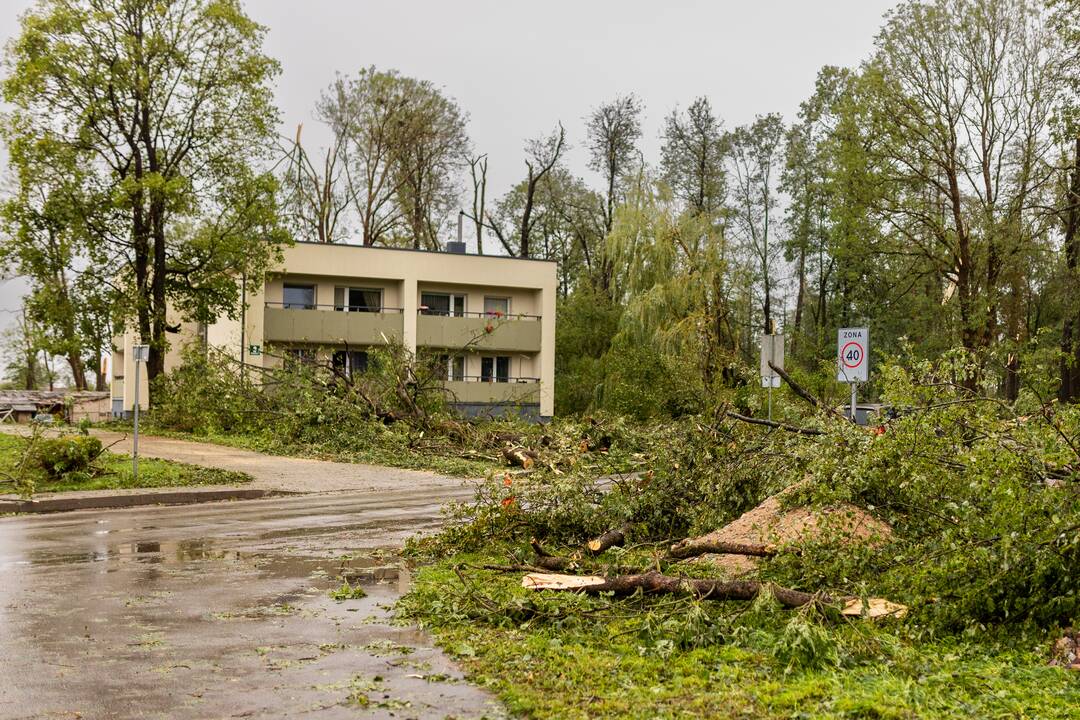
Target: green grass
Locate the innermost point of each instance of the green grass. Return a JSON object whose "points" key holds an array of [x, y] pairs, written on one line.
{"points": [[389, 449], [559, 655], [115, 472]]}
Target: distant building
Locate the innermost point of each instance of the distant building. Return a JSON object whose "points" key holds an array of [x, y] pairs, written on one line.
{"points": [[20, 406], [489, 319]]}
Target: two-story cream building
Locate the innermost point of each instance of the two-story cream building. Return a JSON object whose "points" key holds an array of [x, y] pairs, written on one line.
{"points": [[490, 319]]}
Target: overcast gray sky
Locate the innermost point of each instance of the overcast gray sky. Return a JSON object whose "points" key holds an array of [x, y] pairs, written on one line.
{"points": [[519, 67]]}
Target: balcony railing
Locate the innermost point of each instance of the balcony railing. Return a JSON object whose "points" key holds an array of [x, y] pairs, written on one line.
{"points": [[486, 315], [331, 324], [337, 308], [491, 379]]}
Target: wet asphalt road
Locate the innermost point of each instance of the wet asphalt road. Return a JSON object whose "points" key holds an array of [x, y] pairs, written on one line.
{"points": [[221, 611]]}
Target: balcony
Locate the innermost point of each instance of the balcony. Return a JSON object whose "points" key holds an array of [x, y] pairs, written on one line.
{"points": [[329, 325], [513, 333], [475, 390]]}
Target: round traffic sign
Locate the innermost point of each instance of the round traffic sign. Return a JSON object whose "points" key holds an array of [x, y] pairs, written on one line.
{"points": [[852, 355]]}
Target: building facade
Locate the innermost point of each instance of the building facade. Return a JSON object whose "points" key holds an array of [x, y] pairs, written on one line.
{"points": [[488, 319]]}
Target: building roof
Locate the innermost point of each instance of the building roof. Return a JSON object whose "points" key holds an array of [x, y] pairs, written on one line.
{"points": [[422, 250], [30, 400]]}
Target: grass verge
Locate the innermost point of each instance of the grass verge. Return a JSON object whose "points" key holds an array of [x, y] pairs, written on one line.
{"points": [[562, 655], [387, 448], [114, 472]]}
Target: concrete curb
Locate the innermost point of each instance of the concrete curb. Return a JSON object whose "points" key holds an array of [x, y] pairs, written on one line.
{"points": [[169, 497]]}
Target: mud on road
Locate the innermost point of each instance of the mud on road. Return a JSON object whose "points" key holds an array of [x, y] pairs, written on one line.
{"points": [[222, 611]]}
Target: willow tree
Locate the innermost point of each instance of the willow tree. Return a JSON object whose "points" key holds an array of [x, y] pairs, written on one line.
{"points": [[673, 278], [167, 108]]}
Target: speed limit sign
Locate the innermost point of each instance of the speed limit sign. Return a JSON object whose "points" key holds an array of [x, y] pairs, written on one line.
{"points": [[852, 355]]}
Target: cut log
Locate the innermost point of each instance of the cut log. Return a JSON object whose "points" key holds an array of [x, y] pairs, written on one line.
{"points": [[692, 547], [547, 561], [522, 457], [610, 539], [654, 582], [873, 608]]}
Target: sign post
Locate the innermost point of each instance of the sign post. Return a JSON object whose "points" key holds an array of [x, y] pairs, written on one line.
{"points": [[140, 354], [853, 360], [772, 351]]}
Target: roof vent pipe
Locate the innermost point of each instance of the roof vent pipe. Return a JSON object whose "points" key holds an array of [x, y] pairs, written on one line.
{"points": [[459, 246]]}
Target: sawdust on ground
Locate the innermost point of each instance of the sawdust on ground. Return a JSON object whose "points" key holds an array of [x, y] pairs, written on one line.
{"points": [[770, 524]]}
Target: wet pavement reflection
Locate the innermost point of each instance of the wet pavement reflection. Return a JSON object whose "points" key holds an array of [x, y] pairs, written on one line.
{"points": [[220, 611]]}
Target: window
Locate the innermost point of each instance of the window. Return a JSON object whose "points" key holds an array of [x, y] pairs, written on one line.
{"points": [[351, 362], [495, 369], [452, 367], [496, 306], [358, 299], [446, 304], [299, 297], [295, 357]]}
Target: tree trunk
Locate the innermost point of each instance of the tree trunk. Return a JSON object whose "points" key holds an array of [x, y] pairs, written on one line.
{"points": [[78, 370], [654, 582], [1070, 335]]}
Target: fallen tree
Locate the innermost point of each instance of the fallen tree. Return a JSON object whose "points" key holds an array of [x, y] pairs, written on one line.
{"points": [[704, 589], [655, 582]]}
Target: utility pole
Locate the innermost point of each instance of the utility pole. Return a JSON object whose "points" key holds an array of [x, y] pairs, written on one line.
{"points": [[140, 354]]}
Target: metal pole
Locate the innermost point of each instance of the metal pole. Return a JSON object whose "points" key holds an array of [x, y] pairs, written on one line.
{"points": [[853, 418], [135, 441], [770, 399]]}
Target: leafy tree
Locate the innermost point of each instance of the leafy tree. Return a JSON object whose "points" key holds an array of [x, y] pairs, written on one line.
{"points": [[167, 108], [960, 96], [1066, 21], [612, 132], [692, 158], [756, 157]]}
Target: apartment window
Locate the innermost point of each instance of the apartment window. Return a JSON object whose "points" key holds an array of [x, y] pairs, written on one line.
{"points": [[445, 304], [351, 362], [452, 367], [357, 299], [299, 297], [295, 357], [496, 306], [495, 369]]}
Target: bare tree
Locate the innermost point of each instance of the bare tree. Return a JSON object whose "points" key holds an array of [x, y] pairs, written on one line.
{"points": [[315, 196], [478, 167], [520, 203]]}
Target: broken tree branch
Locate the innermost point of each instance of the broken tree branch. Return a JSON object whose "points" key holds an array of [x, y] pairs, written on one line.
{"points": [[548, 561], [692, 547], [773, 424], [801, 391], [609, 539]]}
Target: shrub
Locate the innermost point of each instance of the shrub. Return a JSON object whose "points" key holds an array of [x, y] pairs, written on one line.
{"points": [[67, 456]]}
